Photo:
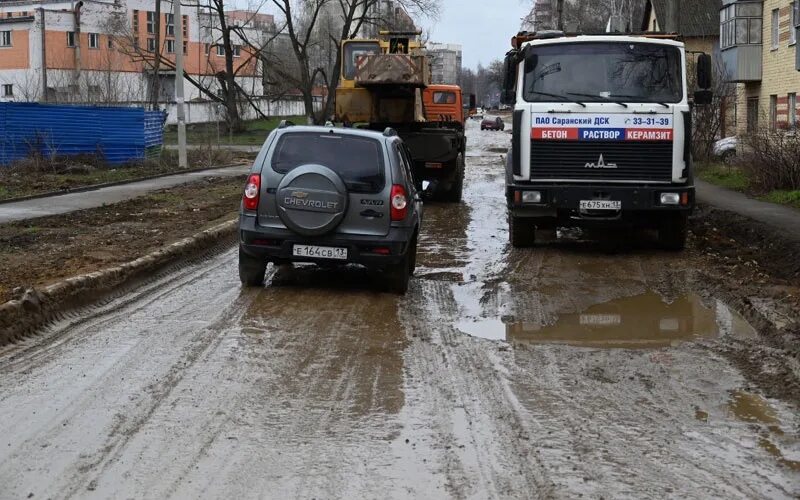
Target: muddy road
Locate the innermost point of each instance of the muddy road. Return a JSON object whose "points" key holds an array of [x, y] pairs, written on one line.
{"points": [[565, 371]]}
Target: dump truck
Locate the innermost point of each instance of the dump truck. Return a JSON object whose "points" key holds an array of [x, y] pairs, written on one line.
{"points": [[602, 133], [385, 83]]}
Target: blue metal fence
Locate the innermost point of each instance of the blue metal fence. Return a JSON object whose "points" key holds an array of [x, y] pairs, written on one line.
{"points": [[119, 135]]}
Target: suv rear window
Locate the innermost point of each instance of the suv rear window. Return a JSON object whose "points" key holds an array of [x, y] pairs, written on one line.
{"points": [[357, 160]]}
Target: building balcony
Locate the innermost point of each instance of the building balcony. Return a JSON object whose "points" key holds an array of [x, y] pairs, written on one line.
{"points": [[743, 63]]}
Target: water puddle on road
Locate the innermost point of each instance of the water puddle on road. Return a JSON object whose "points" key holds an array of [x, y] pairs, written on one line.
{"points": [[641, 322], [754, 409]]}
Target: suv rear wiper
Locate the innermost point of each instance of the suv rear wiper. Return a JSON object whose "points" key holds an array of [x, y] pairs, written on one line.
{"points": [[600, 96], [638, 97], [557, 96]]}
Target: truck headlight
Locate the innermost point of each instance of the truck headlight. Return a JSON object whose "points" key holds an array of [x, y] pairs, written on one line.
{"points": [[670, 198], [531, 197]]}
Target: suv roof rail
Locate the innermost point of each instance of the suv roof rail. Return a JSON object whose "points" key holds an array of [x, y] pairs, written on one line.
{"points": [[285, 123], [390, 132]]}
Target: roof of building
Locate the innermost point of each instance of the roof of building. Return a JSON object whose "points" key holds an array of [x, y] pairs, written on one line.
{"points": [[696, 17]]}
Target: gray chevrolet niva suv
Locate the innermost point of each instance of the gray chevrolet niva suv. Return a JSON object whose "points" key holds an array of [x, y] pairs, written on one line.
{"points": [[330, 195]]}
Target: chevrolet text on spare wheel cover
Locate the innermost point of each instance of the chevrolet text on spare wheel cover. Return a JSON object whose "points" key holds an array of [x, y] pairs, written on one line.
{"points": [[602, 127]]}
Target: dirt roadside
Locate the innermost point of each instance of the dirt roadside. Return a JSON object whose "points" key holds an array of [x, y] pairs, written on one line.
{"points": [[45, 250], [754, 269]]}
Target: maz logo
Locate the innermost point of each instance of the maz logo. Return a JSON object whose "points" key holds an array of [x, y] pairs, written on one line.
{"points": [[601, 163]]}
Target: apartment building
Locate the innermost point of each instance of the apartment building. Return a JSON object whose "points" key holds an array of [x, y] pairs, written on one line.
{"points": [[102, 51], [445, 62], [759, 44]]}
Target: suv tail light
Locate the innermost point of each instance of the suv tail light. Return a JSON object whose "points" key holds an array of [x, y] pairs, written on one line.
{"points": [[252, 190], [399, 201]]}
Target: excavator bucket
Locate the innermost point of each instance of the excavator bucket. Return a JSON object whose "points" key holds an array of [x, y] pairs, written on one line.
{"points": [[393, 69]]}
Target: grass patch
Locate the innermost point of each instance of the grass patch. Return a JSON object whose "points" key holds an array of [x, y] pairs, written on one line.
{"points": [[34, 176], [256, 131], [789, 198], [727, 177]]}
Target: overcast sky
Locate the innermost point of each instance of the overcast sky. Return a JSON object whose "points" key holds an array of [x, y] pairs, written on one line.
{"points": [[483, 27]]}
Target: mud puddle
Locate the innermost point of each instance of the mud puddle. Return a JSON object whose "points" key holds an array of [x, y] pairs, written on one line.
{"points": [[644, 321], [754, 409]]}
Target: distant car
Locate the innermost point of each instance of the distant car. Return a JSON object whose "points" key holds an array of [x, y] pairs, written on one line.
{"points": [[493, 124], [725, 149], [330, 196]]}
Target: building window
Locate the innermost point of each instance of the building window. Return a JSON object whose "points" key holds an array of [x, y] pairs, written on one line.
{"points": [[151, 45], [8, 90], [220, 50], [752, 114], [792, 31], [170, 46], [185, 27], [792, 111], [135, 23], [740, 24], [773, 112], [110, 42], [185, 47], [5, 39], [151, 22], [207, 49], [237, 50], [94, 41], [776, 13], [70, 39], [170, 18]]}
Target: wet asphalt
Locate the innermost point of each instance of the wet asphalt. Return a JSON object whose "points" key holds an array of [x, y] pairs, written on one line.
{"points": [[563, 371]]}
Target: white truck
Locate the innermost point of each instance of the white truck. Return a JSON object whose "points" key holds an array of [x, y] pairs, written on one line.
{"points": [[601, 133]]}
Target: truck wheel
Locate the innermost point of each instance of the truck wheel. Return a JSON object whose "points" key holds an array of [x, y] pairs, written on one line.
{"points": [[673, 231], [453, 195], [251, 270], [398, 275], [521, 232]]}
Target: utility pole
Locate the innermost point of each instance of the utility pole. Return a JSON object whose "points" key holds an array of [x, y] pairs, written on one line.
{"points": [[560, 14], [44, 57], [179, 83]]}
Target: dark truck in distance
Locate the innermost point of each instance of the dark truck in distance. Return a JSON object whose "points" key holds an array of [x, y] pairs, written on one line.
{"points": [[601, 133]]}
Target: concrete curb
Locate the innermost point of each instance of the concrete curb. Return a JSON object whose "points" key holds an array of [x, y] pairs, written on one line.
{"points": [[22, 317], [95, 187]]}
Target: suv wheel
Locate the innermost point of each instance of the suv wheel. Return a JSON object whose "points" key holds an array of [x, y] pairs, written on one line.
{"points": [[673, 231], [412, 260], [399, 274], [251, 270], [521, 232]]}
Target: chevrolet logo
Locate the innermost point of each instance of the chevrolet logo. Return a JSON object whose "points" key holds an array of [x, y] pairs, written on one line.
{"points": [[299, 194]]}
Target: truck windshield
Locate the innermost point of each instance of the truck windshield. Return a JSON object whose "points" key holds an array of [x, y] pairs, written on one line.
{"points": [[353, 51], [603, 72]]}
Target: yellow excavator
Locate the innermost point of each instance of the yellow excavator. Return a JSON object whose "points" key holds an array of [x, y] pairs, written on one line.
{"points": [[385, 82]]}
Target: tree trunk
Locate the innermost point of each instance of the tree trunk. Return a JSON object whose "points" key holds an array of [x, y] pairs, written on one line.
{"points": [[228, 80]]}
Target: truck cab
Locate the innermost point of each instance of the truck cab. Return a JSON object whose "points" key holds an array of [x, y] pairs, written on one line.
{"points": [[601, 134]]}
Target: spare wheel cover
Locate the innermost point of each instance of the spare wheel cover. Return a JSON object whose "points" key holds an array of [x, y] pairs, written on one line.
{"points": [[312, 200]]}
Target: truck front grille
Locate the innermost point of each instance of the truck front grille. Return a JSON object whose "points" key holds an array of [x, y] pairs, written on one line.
{"points": [[572, 160]]}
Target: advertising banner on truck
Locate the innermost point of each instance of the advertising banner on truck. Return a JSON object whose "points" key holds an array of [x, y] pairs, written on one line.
{"points": [[602, 127]]}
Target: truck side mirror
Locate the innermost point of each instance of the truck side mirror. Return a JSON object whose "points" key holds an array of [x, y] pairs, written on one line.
{"points": [[472, 101], [509, 94], [704, 71], [703, 97]]}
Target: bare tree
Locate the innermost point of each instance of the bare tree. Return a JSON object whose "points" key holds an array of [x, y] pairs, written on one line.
{"points": [[314, 31]]}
